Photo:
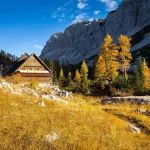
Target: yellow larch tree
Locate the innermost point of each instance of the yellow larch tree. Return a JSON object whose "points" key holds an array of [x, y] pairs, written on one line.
{"points": [[84, 77], [77, 79], [146, 73], [100, 69], [124, 55], [109, 52]]}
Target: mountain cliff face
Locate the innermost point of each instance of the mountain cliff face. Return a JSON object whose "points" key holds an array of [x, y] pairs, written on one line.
{"points": [[81, 40]]}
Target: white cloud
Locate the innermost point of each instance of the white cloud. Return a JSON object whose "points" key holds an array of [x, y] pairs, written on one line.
{"points": [[81, 5], [63, 15], [54, 15], [61, 9], [38, 47], [82, 1], [91, 19], [79, 17], [96, 12], [110, 4], [61, 20]]}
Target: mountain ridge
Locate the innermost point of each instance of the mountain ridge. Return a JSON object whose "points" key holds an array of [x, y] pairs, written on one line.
{"points": [[80, 41]]}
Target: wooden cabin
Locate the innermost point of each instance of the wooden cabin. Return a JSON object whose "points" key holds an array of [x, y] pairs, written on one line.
{"points": [[31, 68]]}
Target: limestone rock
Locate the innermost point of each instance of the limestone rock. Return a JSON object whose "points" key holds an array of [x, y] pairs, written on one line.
{"points": [[52, 137], [80, 41], [134, 129], [41, 103], [1, 86]]}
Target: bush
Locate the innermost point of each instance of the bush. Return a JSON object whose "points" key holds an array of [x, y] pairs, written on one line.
{"points": [[15, 79], [33, 84]]}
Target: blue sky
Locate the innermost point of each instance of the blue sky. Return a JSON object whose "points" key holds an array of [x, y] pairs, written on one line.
{"points": [[26, 25]]}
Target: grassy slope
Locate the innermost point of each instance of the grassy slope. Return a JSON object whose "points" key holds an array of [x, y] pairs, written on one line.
{"points": [[79, 125]]}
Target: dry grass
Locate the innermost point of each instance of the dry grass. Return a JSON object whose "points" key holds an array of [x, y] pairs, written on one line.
{"points": [[79, 125], [126, 111]]}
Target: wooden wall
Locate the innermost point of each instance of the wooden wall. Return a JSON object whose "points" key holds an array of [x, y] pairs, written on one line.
{"points": [[32, 64]]}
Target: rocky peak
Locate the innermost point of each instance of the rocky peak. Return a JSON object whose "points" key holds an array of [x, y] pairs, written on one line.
{"points": [[81, 40]]}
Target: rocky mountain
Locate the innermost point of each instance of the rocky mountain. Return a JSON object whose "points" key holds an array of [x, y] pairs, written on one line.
{"points": [[80, 41]]}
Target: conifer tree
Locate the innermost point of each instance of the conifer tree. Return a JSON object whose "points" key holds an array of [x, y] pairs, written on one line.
{"points": [[57, 67], [100, 69], [146, 75], [77, 78], [109, 52], [69, 79], [84, 78], [124, 55], [139, 77], [54, 73], [61, 78]]}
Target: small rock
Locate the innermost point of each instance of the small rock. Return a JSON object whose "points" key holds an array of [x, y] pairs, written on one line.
{"points": [[147, 112], [4, 82], [1, 86], [52, 137], [134, 129], [139, 110], [35, 94], [45, 96], [41, 103], [9, 87]]}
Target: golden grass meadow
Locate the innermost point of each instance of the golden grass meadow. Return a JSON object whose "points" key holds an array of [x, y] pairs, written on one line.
{"points": [[80, 125]]}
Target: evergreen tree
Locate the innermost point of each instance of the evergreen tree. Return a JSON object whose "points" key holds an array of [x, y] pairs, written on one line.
{"points": [[69, 79], [77, 79], [109, 52], [61, 78], [146, 75], [139, 77], [57, 67], [124, 55], [84, 78], [46, 62], [54, 73]]}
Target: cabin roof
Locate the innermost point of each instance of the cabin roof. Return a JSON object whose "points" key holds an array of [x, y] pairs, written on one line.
{"points": [[24, 56], [22, 60]]}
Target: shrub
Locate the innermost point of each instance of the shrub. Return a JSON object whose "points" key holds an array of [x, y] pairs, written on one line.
{"points": [[15, 79], [33, 84]]}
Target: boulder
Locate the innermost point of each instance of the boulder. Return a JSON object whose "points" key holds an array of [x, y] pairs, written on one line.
{"points": [[134, 129], [1, 86], [4, 83], [52, 137], [45, 96]]}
